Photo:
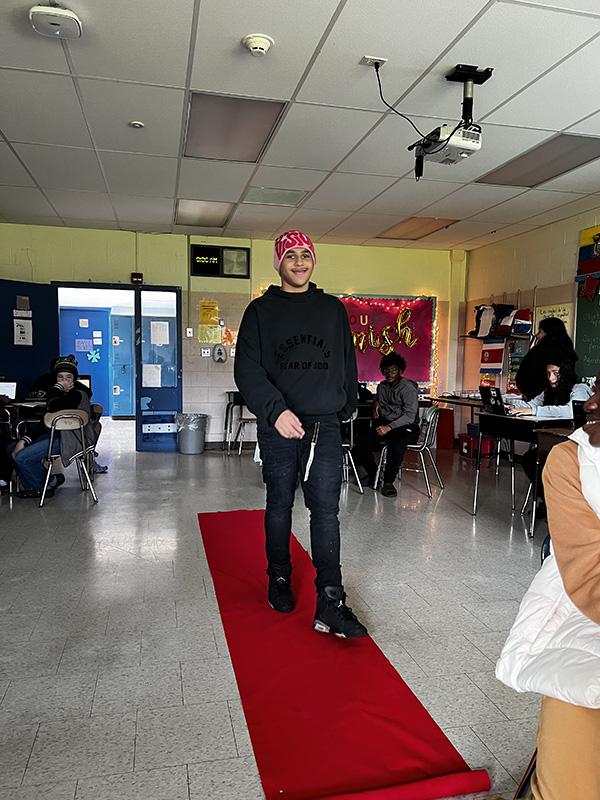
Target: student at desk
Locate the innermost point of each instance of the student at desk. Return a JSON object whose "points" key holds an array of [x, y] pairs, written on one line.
{"points": [[556, 401]]}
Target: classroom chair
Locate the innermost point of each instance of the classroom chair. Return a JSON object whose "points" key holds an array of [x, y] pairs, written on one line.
{"points": [[69, 420]]}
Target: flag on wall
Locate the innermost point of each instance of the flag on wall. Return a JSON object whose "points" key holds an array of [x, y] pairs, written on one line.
{"points": [[492, 355]]}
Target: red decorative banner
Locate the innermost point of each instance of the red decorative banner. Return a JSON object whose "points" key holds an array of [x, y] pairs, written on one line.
{"points": [[403, 325]]}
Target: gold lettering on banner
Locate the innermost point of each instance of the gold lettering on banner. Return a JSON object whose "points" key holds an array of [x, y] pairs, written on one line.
{"points": [[401, 332], [404, 330]]}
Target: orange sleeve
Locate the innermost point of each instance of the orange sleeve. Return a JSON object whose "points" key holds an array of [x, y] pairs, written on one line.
{"points": [[574, 528]]}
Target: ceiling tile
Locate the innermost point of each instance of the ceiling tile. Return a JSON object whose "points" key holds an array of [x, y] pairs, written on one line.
{"points": [[589, 6], [589, 125], [101, 224], [129, 173], [288, 178], [148, 43], [531, 107], [317, 137], [584, 179], [520, 42], [21, 46], [315, 223], [15, 200], [12, 172], [345, 192], [388, 242], [501, 233], [365, 225], [459, 232], [580, 206], [469, 200], [110, 106], [264, 217], [151, 210], [213, 180], [62, 167], [223, 65], [50, 115], [25, 219], [525, 205], [145, 227], [408, 196], [409, 40], [191, 230], [81, 205], [384, 151]]}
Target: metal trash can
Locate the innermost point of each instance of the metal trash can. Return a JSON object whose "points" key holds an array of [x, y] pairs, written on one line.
{"points": [[191, 432]]}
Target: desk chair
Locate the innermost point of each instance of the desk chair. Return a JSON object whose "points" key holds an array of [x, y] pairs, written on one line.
{"points": [[429, 424], [244, 419], [234, 400], [69, 420], [347, 451]]}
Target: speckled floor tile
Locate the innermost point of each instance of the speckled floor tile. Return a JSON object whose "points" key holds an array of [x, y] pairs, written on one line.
{"points": [[226, 780], [155, 784], [48, 698], [129, 688], [16, 742]]}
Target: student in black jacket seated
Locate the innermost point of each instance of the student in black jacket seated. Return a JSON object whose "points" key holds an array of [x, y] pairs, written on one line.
{"points": [[26, 455], [396, 423], [553, 346]]}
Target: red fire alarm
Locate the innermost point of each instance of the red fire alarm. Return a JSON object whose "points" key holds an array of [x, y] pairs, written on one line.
{"points": [[137, 277]]}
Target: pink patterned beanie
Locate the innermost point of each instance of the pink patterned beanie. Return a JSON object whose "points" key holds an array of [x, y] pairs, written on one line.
{"points": [[288, 240]]}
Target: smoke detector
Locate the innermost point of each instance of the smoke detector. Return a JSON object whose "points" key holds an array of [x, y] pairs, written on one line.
{"points": [[56, 22], [258, 43]]}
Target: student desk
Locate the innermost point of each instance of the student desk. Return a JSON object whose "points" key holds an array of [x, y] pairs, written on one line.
{"points": [[546, 439], [458, 401], [514, 429]]}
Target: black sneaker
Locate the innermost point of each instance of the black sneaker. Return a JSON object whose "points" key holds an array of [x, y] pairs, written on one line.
{"points": [[389, 490], [280, 587], [334, 616]]}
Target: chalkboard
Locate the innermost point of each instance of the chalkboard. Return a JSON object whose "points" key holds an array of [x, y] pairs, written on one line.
{"points": [[587, 336]]}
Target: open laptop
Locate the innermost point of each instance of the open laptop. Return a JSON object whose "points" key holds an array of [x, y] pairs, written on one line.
{"points": [[8, 388], [491, 397]]}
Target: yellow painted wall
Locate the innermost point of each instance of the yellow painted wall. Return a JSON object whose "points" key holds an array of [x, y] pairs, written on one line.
{"points": [[42, 254]]}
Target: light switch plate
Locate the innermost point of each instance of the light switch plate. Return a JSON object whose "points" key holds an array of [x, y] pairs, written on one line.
{"points": [[232, 352], [189, 332], [206, 352]]}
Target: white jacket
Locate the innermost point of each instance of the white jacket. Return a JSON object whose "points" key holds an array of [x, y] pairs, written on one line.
{"points": [[552, 647]]}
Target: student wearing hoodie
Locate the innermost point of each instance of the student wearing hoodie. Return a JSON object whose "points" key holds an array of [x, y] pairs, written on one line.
{"points": [[296, 369]]}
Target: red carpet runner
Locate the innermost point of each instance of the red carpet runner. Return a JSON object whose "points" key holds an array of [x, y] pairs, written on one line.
{"points": [[328, 717]]}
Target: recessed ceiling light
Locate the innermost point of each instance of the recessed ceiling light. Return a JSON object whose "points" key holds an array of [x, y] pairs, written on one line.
{"points": [[202, 213], [416, 228], [561, 154], [230, 128]]}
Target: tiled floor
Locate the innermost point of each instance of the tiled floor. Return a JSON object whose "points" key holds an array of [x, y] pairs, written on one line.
{"points": [[115, 680]]}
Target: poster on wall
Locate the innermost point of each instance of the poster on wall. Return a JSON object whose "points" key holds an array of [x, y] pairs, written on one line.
{"points": [[403, 325], [589, 251], [564, 311]]}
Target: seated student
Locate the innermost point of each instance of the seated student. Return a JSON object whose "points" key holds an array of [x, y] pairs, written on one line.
{"points": [[26, 455], [552, 345], [396, 415], [555, 401]]}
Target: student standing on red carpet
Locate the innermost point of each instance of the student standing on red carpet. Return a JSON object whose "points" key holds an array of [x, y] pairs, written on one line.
{"points": [[296, 369]]}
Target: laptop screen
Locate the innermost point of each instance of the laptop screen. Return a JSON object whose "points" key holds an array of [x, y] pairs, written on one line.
{"points": [[491, 397], [8, 388]]}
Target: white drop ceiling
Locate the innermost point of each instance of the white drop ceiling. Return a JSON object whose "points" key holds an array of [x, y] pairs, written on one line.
{"points": [[69, 158]]}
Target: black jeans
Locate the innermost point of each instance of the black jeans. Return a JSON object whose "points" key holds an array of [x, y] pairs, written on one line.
{"points": [[396, 440], [284, 466]]}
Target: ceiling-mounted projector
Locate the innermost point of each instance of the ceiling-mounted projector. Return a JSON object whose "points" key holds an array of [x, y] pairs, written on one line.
{"points": [[56, 22], [449, 146]]}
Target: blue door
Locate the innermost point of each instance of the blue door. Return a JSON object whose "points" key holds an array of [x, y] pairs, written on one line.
{"points": [[85, 333], [158, 360], [123, 372]]}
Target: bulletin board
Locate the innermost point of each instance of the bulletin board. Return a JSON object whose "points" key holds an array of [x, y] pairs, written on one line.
{"points": [[402, 325]]}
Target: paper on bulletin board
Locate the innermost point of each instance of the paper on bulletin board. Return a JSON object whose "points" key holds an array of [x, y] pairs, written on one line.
{"points": [[151, 375], [23, 331], [209, 333], [159, 333], [230, 337], [209, 313], [564, 311]]}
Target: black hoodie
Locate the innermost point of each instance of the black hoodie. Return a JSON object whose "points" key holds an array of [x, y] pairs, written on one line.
{"points": [[295, 351]]}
